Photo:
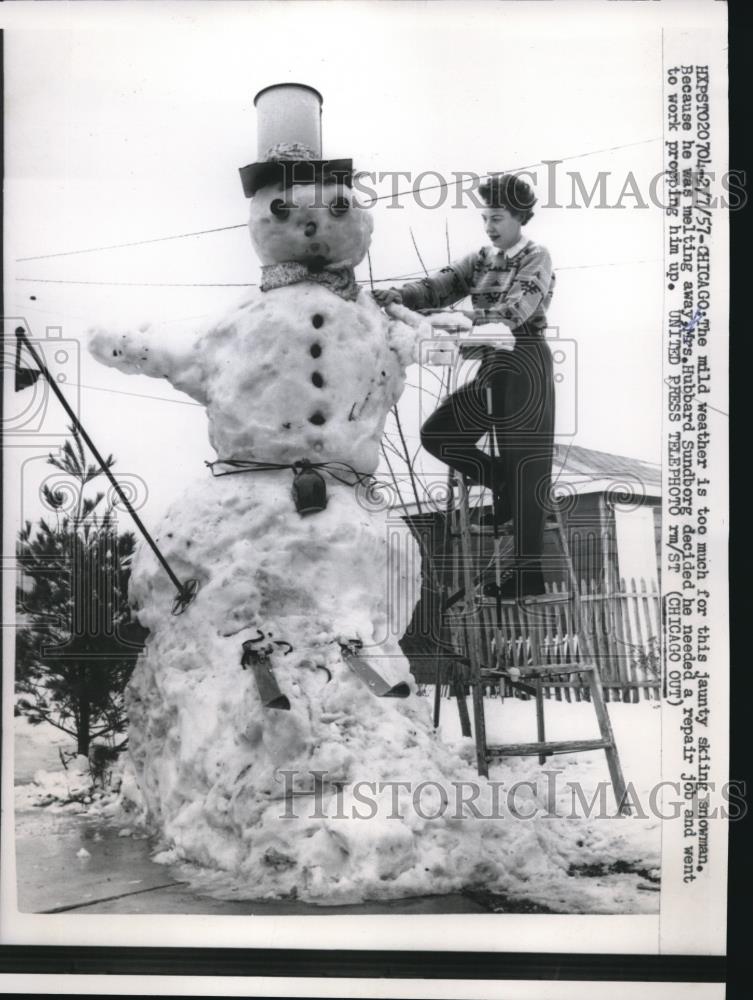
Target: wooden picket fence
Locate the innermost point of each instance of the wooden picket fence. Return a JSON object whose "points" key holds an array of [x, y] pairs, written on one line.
{"points": [[623, 628]]}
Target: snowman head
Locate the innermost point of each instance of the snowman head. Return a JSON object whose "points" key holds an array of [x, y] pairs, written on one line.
{"points": [[315, 224]]}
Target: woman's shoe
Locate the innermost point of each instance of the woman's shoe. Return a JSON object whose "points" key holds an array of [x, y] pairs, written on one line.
{"points": [[517, 580], [488, 581]]}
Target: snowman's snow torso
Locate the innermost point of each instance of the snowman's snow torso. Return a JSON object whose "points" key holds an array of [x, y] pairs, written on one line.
{"points": [[260, 564], [299, 372]]}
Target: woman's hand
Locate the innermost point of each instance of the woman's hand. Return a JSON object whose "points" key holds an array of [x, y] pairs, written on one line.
{"points": [[384, 296], [471, 314]]}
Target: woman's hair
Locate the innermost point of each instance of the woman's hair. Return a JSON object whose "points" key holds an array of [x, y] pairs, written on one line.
{"points": [[511, 192]]}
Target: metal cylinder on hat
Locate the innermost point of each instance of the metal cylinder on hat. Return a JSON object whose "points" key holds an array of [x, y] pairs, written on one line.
{"points": [[288, 113]]}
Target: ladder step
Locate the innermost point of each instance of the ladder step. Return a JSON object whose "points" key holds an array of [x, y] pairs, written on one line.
{"points": [[556, 668], [557, 746], [529, 672], [539, 599], [517, 685], [503, 531], [481, 600]]}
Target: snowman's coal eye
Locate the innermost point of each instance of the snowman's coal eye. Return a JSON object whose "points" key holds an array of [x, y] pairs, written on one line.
{"points": [[339, 206], [279, 209]]}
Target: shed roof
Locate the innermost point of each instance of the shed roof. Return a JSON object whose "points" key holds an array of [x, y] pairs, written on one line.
{"points": [[586, 467], [586, 470]]}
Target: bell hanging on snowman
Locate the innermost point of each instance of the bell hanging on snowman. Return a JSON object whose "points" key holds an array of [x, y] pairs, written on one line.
{"points": [[309, 489]]}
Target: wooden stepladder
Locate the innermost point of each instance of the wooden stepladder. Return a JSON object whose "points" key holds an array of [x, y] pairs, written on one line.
{"points": [[532, 673], [478, 661]]}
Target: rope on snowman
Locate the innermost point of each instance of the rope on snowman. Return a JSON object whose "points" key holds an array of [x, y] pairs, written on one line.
{"points": [[309, 487]]}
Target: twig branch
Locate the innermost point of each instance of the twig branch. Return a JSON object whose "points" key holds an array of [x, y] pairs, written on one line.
{"points": [[395, 481], [406, 455], [418, 252], [387, 440]]}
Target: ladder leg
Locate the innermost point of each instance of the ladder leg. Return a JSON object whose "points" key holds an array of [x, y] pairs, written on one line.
{"points": [[437, 691], [479, 723], [594, 684], [456, 678], [493, 450], [540, 729], [446, 537], [535, 651], [458, 689], [607, 734]]}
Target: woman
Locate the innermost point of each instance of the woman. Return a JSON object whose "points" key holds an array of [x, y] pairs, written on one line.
{"points": [[510, 282]]}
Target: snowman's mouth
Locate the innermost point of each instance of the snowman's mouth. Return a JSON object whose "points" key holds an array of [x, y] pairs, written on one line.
{"points": [[316, 264]]}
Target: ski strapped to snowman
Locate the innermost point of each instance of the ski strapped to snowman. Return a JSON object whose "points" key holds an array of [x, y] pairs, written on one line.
{"points": [[309, 492]]}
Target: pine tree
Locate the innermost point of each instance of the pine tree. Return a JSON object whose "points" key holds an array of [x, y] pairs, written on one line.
{"points": [[77, 643]]}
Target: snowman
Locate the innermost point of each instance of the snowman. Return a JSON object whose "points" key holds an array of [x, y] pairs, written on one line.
{"points": [[280, 693], [277, 660]]}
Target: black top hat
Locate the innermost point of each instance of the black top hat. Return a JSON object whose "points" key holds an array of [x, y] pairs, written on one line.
{"points": [[289, 133]]}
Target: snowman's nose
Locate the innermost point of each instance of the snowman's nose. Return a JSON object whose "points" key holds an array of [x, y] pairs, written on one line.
{"points": [[310, 229]]}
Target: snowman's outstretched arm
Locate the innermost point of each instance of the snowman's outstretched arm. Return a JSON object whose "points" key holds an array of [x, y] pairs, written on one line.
{"points": [[408, 329], [405, 332], [145, 351]]}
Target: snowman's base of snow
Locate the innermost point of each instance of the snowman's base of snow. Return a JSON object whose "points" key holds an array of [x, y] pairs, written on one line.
{"points": [[321, 802]]}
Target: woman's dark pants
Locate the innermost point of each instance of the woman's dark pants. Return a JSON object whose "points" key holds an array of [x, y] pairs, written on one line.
{"points": [[522, 414]]}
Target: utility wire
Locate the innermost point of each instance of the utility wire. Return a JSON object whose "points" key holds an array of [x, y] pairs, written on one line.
{"points": [[145, 284], [610, 263], [512, 170], [382, 197], [138, 395], [251, 284], [133, 243], [63, 313]]}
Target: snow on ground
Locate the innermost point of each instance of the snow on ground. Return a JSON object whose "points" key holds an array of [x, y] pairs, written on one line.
{"points": [[37, 748], [42, 780], [637, 730], [575, 778], [607, 864], [564, 860]]}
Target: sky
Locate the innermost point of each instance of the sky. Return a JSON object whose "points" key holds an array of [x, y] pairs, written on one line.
{"points": [[128, 122]]}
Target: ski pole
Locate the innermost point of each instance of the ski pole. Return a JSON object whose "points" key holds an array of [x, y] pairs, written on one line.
{"points": [[186, 591]]}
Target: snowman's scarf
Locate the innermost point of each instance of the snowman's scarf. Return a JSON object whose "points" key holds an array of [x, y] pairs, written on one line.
{"points": [[338, 278]]}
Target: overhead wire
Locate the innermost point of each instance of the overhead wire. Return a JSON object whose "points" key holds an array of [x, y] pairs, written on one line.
{"points": [[221, 229], [132, 243], [252, 284], [393, 194], [527, 166]]}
